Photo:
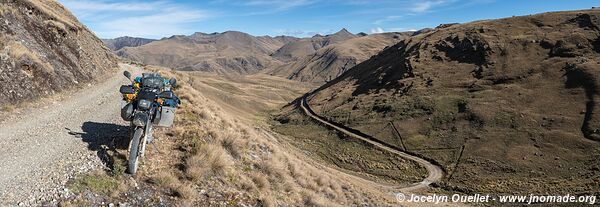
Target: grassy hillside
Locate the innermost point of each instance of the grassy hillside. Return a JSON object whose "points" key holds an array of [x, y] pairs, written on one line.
{"points": [[517, 94], [218, 154]]}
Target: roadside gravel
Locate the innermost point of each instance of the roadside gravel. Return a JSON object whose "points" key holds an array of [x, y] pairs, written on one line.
{"points": [[42, 148]]}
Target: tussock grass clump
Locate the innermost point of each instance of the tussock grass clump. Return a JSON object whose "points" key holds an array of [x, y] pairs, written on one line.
{"points": [[210, 159], [232, 145], [184, 191], [260, 180], [315, 200], [268, 201], [165, 180]]}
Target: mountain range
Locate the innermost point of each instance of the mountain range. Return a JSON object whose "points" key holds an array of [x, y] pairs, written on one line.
{"points": [[315, 59], [121, 42]]}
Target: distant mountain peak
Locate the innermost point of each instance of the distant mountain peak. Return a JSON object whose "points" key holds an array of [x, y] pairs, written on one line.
{"points": [[126, 41], [198, 34], [343, 31]]}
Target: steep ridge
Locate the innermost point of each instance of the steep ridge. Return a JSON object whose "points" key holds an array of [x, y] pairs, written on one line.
{"points": [[332, 60], [505, 106], [44, 49], [224, 53], [121, 42]]}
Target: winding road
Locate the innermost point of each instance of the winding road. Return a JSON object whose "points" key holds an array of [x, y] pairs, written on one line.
{"points": [[435, 172]]}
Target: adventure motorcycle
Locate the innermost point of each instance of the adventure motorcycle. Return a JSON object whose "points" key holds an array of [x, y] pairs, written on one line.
{"points": [[145, 109]]}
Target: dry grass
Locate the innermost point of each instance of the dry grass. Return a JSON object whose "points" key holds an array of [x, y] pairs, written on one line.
{"points": [[210, 160], [211, 150], [28, 59], [233, 151], [260, 180], [315, 200], [165, 180], [49, 8], [232, 145], [8, 108], [184, 191]]}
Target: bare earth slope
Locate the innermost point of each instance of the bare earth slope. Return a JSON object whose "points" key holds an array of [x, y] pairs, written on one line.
{"points": [[121, 42], [44, 49], [517, 94], [225, 53], [332, 60]]}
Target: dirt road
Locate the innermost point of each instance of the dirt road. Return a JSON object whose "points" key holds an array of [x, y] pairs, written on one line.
{"points": [[43, 147], [435, 172]]}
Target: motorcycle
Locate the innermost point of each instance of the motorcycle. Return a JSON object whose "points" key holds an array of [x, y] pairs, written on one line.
{"points": [[144, 111]]}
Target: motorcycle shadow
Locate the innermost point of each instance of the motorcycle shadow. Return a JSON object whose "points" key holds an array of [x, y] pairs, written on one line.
{"points": [[105, 139]]}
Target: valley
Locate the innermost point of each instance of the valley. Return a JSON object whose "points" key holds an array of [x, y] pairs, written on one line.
{"points": [[488, 107]]}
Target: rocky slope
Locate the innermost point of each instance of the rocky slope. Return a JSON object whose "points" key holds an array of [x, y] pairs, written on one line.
{"points": [[121, 42], [331, 60], [225, 53], [505, 106], [44, 49]]}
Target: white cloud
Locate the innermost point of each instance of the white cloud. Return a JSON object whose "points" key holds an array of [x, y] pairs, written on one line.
{"points": [[396, 29], [401, 29], [387, 19], [156, 25], [377, 30], [424, 6], [303, 33], [154, 19]]}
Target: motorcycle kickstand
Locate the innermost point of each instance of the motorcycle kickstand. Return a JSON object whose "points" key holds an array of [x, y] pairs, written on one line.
{"points": [[155, 147]]}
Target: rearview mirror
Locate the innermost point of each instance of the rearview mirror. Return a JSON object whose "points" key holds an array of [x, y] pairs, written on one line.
{"points": [[173, 82], [125, 89], [127, 74]]}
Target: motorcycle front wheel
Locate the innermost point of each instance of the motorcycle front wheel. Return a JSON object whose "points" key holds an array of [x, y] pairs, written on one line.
{"points": [[134, 148]]}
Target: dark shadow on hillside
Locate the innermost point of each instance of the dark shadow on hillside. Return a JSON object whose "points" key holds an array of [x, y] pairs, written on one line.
{"points": [[579, 78], [104, 138]]}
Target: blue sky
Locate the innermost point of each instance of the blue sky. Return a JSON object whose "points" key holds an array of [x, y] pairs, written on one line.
{"points": [[302, 18]]}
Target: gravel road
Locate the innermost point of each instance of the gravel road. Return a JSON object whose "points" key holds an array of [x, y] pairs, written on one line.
{"points": [[43, 147]]}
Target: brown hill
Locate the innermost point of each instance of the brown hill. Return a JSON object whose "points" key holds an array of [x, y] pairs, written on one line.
{"points": [[517, 94], [44, 49], [331, 61], [228, 52], [121, 42], [298, 49]]}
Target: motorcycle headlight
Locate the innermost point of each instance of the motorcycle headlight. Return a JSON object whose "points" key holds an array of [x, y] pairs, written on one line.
{"points": [[144, 104], [140, 119]]}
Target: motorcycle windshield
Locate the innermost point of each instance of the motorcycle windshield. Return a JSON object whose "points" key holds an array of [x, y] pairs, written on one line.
{"points": [[147, 95]]}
